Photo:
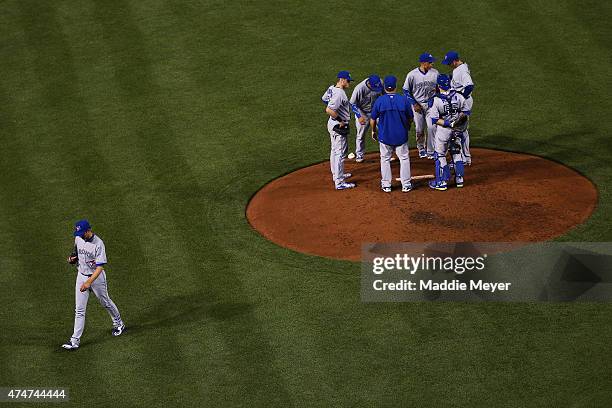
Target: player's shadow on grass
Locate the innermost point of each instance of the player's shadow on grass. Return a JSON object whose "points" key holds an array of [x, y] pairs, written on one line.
{"points": [[176, 311]]}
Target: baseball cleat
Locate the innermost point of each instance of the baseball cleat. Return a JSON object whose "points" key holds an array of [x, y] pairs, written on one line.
{"points": [[422, 154], [117, 331], [438, 185], [345, 186], [359, 160], [70, 345], [406, 188], [348, 175], [459, 182], [386, 189], [430, 156]]}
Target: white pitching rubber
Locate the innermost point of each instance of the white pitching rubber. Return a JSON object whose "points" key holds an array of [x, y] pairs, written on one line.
{"points": [[421, 177]]}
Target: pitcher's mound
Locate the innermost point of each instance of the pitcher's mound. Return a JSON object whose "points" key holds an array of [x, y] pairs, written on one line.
{"points": [[506, 197]]}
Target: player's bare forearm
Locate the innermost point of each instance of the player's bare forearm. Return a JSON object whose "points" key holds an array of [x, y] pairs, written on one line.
{"points": [[96, 273], [332, 113], [374, 129], [373, 124], [87, 284]]}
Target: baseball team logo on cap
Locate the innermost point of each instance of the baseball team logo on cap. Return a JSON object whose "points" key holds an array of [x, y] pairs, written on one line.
{"points": [[426, 57], [450, 57], [345, 75], [81, 227]]}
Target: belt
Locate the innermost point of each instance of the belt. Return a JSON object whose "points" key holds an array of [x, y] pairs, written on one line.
{"points": [[85, 275]]}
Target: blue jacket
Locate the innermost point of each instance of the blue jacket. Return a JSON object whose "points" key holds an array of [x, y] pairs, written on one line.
{"points": [[394, 113]]}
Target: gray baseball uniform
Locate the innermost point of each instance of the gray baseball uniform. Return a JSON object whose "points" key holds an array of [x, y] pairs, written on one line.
{"points": [[422, 87], [338, 102], [92, 254], [328, 94], [460, 79], [447, 108], [363, 98]]}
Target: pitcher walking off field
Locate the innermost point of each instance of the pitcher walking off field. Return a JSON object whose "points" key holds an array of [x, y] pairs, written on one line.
{"points": [[90, 255]]}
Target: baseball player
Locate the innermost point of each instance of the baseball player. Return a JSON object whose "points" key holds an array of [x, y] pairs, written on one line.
{"points": [[338, 109], [420, 87], [449, 112], [90, 256], [364, 95], [461, 82], [390, 122]]}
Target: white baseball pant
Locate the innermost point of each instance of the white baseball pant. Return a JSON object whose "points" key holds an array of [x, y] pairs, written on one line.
{"points": [[360, 140], [339, 147], [100, 289], [386, 152], [465, 148], [443, 135], [421, 123]]}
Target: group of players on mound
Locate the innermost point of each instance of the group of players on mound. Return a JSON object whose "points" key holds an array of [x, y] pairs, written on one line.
{"points": [[438, 104]]}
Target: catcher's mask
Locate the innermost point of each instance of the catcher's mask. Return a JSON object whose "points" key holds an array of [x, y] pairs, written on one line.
{"points": [[443, 82]]}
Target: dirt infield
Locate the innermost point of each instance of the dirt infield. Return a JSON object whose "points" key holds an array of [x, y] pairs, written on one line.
{"points": [[507, 197]]}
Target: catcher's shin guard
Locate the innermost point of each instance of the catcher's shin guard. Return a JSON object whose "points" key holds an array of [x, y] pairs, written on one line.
{"points": [[459, 168], [442, 172], [439, 183], [437, 166]]}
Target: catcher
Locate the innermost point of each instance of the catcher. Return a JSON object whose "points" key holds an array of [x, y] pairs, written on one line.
{"points": [[449, 112]]}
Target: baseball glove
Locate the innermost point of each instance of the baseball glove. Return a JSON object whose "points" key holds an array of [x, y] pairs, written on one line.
{"points": [[73, 259], [343, 131], [460, 121], [454, 144]]}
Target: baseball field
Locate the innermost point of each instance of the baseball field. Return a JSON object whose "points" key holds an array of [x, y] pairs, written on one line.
{"points": [[159, 120]]}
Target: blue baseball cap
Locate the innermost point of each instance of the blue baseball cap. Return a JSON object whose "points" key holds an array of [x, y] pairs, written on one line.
{"points": [[426, 57], [375, 83], [443, 82], [450, 57], [80, 227], [345, 75], [390, 82]]}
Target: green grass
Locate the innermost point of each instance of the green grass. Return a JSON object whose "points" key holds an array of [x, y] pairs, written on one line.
{"points": [[158, 120]]}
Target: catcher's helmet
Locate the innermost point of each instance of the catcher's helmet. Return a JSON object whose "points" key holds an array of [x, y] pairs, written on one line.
{"points": [[444, 82]]}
